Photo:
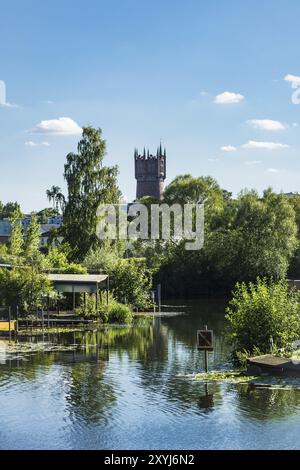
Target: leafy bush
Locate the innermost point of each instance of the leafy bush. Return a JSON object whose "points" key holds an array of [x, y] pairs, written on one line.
{"points": [[263, 310], [57, 260], [119, 313], [23, 287], [131, 282], [130, 278], [113, 312]]}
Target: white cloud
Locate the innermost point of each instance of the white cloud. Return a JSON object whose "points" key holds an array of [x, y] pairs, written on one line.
{"points": [[30, 143], [213, 159], [293, 79], [254, 144], [60, 126], [267, 124], [252, 162], [228, 148], [272, 170], [228, 97], [3, 102]]}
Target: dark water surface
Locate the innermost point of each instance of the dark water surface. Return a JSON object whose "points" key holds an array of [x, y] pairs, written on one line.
{"points": [[133, 391]]}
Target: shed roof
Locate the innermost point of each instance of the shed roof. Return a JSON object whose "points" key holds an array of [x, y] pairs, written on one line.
{"points": [[78, 278]]}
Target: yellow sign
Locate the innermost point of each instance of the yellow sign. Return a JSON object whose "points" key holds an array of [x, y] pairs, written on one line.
{"points": [[4, 325]]}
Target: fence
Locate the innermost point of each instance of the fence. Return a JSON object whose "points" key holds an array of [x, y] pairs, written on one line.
{"points": [[8, 321]]}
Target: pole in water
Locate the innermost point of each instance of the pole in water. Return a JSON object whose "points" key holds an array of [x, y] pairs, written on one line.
{"points": [[205, 343], [206, 361], [206, 356], [9, 322], [17, 320]]}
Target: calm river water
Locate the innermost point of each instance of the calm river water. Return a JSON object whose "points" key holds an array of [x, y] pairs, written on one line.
{"points": [[134, 391]]}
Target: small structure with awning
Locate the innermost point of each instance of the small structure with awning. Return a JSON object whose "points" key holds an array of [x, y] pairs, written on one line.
{"points": [[81, 283]]}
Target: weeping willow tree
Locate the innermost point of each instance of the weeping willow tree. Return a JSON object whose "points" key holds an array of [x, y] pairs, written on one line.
{"points": [[90, 183]]}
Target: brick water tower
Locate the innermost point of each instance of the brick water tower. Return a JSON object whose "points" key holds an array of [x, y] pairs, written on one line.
{"points": [[150, 173]]}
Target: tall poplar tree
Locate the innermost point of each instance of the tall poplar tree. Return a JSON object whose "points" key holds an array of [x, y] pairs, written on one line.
{"points": [[90, 183]]}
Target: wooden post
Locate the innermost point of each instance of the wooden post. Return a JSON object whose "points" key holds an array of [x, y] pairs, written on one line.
{"points": [[43, 323], [159, 297], [97, 300], [48, 307], [74, 298], [153, 300], [17, 320], [9, 320], [206, 357], [107, 289]]}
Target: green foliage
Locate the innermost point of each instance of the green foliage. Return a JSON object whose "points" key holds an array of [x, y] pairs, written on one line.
{"points": [[186, 189], [257, 237], [130, 278], [245, 238], [32, 240], [45, 214], [90, 183], [294, 268], [58, 199], [23, 287], [16, 242], [100, 258], [260, 311], [119, 313], [130, 282], [113, 312], [9, 210], [227, 376], [57, 260]]}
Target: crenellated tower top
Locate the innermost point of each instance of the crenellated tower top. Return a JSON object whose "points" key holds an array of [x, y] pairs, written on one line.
{"points": [[150, 172]]}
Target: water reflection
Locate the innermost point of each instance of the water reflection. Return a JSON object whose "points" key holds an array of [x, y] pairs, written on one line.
{"points": [[131, 387], [267, 404]]}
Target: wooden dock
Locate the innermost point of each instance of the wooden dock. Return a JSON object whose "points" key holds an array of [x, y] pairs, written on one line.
{"points": [[273, 365]]}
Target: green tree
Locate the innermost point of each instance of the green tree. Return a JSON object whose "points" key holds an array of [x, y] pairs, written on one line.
{"points": [[248, 237], [56, 260], [257, 237], [294, 269], [186, 189], [16, 242], [11, 209], [131, 282], [44, 214], [90, 183], [32, 240], [263, 310], [130, 278], [23, 287], [55, 195]]}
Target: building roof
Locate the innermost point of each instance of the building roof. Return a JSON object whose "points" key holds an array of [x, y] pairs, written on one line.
{"points": [[78, 278], [4, 228], [46, 228]]}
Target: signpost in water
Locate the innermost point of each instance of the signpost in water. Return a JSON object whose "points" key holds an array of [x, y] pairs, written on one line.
{"points": [[205, 343]]}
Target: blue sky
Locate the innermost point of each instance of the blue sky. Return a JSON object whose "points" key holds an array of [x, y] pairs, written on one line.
{"points": [[145, 71]]}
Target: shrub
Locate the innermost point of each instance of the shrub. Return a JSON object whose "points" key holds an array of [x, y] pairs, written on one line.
{"points": [[23, 287], [119, 313], [57, 260], [131, 282], [114, 312], [263, 310]]}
